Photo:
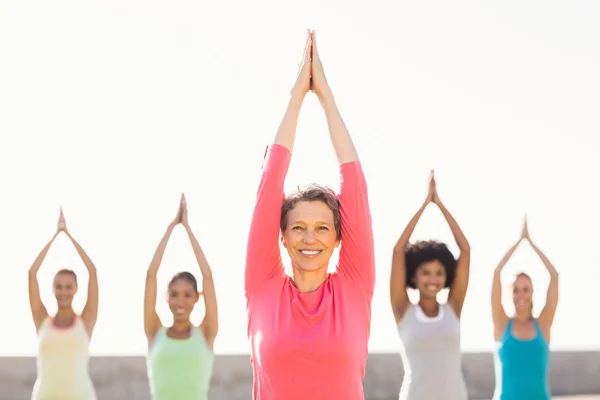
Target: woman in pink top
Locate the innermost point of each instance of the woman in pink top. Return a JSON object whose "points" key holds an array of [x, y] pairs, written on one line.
{"points": [[309, 332]]}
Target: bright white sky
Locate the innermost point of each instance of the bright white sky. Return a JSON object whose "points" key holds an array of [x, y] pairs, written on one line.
{"points": [[113, 108]]}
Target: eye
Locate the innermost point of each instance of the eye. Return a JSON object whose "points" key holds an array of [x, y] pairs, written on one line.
{"points": [[323, 228], [297, 228]]}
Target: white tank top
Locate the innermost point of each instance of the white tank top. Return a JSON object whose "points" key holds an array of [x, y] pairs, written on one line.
{"points": [[430, 351], [62, 363]]}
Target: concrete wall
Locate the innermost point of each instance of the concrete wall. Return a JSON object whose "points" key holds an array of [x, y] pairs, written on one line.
{"points": [[124, 378]]}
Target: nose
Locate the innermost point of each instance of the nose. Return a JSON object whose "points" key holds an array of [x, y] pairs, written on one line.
{"points": [[309, 237]]}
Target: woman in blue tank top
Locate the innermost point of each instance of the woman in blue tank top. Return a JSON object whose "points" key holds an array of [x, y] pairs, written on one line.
{"points": [[522, 357]]}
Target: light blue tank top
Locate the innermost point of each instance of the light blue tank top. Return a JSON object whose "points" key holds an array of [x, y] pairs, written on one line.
{"points": [[522, 366]]}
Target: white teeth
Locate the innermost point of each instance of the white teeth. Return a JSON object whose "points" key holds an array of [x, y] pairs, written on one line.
{"points": [[310, 252]]}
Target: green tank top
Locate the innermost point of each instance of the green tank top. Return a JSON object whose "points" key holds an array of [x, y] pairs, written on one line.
{"points": [[180, 368]]}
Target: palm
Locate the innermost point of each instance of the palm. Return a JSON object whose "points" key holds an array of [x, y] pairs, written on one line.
{"points": [[62, 224], [302, 85], [525, 232], [184, 213], [318, 82]]}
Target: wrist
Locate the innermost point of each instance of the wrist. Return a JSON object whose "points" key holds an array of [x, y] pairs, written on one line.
{"points": [[325, 96], [297, 95]]}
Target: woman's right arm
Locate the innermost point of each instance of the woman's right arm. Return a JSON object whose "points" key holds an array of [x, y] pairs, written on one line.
{"points": [[499, 316], [151, 320], [398, 295], [38, 311], [263, 258]]}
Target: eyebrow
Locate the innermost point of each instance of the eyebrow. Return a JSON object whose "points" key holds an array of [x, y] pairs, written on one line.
{"points": [[315, 223]]}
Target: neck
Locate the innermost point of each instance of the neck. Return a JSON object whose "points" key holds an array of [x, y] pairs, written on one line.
{"points": [[429, 304], [523, 316], [182, 326], [309, 281], [65, 312]]}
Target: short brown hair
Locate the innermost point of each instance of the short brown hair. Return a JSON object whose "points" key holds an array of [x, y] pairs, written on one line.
{"points": [[313, 192]]}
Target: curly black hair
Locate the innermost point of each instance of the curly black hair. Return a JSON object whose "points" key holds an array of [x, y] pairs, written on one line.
{"points": [[426, 251]]}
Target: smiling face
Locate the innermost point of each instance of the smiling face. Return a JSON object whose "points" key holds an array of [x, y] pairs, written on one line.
{"points": [[310, 236], [430, 278], [182, 297], [64, 288], [523, 294]]}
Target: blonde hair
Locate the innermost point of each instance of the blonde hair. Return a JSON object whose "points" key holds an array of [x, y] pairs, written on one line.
{"points": [[524, 275]]}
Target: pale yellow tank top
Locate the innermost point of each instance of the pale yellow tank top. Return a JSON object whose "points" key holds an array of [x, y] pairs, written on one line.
{"points": [[62, 363]]}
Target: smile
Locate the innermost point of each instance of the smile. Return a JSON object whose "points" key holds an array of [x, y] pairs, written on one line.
{"points": [[310, 253]]}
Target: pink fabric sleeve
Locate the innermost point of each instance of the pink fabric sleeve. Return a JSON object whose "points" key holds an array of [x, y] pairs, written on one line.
{"points": [[263, 258], [357, 253]]}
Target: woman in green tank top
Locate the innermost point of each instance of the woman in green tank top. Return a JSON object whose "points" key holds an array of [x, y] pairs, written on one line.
{"points": [[180, 358]]}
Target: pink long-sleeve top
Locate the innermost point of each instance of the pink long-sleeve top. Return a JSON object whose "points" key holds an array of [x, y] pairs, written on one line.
{"points": [[309, 346]]}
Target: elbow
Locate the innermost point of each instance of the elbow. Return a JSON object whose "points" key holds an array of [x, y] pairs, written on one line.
{"points": [[465, 248], [400, 248]]}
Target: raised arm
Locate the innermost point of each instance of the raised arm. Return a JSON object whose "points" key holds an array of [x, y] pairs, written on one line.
{"points": [[263, 258], [499, 316], [152, 322], [458, 291], [210, 323], [546, 317], [398, 294], [89, 314], [340, 137], [38, 311], [357, 259]]}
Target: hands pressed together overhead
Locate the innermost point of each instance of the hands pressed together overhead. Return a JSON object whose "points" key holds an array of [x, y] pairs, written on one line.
{"points": [[311, 76], [182, 214], [432, 195]]}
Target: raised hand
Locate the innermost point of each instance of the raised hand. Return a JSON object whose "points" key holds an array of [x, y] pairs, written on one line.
{"points": [[302, 85], [525, 231], [177, 219], [184, 213], [432, 193], [433, 188], [318, 82], [62, 225]]}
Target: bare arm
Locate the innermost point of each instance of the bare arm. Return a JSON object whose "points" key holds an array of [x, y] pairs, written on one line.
{"points": [[210, 323], [398, 295], [340, 137], [458, 291], [90, 311], [546, 317], [152, 322], [499, 316], [38, 311], [286, 133]]}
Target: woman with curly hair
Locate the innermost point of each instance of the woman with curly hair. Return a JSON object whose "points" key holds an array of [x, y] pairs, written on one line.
{"points": [[430, 331]]}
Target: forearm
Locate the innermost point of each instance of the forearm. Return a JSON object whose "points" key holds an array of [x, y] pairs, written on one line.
{"points": [[200, 257], [86, 260], [160, 251], [286, 133], [37, 263], [553, 272], [458, 234], [338, 132], [506, 257], [408, 231]]}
